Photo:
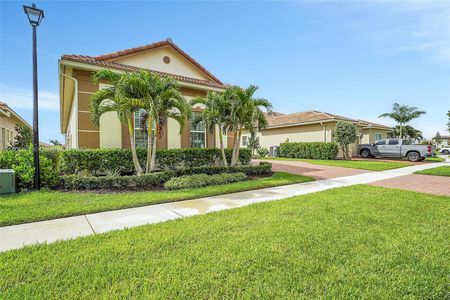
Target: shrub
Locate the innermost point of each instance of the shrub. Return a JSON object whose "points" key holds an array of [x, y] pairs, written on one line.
{"points": [[313, 150], [152, 180], [264, 168], [345, 135], [145, 181], [119, 161], [262, 152], [202, 180], [54, 155], [21, 161], [253, 143]]}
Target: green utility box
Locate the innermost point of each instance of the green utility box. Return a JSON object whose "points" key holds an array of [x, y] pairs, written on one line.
{"points": [[7, 181]]}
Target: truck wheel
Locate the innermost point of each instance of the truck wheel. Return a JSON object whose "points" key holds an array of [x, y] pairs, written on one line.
{"points": [[413, 156], [365, 153], [445, 152]]}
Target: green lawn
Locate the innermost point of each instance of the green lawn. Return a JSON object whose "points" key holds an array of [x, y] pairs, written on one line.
{"points": [[371, 165], [439, 171], [37, 206], [346, 243], [435, 159]]}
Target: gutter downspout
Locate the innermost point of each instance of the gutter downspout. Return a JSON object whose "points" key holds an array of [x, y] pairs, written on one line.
{"points": [[75, 100], [324, 132]]}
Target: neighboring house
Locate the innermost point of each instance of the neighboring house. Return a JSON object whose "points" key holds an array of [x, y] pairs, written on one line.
{"points": [[164, 58], [313, 126], [444, 143], [9, 119]]}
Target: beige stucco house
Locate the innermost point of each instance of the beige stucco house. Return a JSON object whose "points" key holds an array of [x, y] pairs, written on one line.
{"points": [[167, 59], [313, 126], [9, 119], [445, 141], [164, 58]]}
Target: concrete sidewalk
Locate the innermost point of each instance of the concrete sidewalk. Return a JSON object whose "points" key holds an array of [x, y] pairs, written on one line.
{"points": [[17, 236]]}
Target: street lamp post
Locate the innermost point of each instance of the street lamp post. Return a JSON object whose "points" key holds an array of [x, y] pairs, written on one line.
{"points": [[35, 15]]}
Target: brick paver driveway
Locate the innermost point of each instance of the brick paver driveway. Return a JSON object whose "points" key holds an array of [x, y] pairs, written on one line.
{"points": [[438, 185], [316, 171]]}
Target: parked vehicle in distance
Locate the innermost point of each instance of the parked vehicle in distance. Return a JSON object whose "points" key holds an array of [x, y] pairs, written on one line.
{"points": [[396, 148], [445, 151]]}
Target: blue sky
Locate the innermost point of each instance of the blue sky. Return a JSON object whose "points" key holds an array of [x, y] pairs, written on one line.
{"points": [[349, 58]]}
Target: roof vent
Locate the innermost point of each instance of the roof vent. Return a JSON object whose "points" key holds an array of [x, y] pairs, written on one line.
{"points": [[169, 40]]}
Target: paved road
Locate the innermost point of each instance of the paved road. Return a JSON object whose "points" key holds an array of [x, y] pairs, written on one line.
{"points": [[437, 185], [17, 236]]}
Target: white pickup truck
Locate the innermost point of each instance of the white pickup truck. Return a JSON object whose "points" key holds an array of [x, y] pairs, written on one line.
{"points": [[445, 151], [396, 148]]}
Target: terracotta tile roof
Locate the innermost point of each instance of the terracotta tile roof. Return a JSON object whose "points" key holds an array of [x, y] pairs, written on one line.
{"points": [[7, 109], [312, 117], [103, 61], [112, 65], [301, 118], [372, 124]]}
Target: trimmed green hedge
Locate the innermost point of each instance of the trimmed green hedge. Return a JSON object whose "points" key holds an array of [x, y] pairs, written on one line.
{"points": [[119, 161], [21, 161], [264, 168], [202, 180], [313, 150], [145, 181], [152, 180], [113, 162]]}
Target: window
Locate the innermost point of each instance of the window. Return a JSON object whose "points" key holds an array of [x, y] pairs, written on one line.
{"points": [[3, 138], [378, 136], [198, 134], [380, 142], [140, 132], [244, 140], [393, 142], [9, 137]]}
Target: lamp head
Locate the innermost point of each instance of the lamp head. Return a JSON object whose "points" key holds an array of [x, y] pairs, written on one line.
{"points": [[34, 14]]}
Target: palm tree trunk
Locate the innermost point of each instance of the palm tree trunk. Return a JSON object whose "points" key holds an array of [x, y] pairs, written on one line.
{"points": [[233, 154], [238, 146], [237, 142], [153, 160], [234, 147], [137, 165], [401, 130], [149, 145], [222, 150]]}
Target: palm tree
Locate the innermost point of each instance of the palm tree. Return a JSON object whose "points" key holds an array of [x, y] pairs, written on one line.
{"points": [[217, 112], [116, 97], [161, 99], [409, 133], [55, 143], [246, 114], [402, 114]]}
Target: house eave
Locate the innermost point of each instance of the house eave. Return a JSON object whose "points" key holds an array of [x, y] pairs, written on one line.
{"points": [[90, 67], [300, 124]]}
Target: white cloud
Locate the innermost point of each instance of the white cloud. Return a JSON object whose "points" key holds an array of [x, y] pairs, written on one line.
{"points": [[406, 26], [23, 98], [389, 27]]}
